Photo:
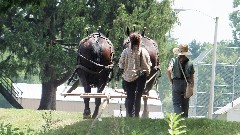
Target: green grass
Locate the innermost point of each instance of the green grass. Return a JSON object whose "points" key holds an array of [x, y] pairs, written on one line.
{"points": [[65, 123], [34, 119]]}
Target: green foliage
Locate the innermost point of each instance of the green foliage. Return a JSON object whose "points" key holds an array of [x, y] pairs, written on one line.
{"points": [[34, 35], [234, 18], [47, 116], [8, 129], [236, 3], [30, 37], [195, 49], [173, 121], [6, 82], [164, 87], [157, 17], [6, 5], [42, 40]]}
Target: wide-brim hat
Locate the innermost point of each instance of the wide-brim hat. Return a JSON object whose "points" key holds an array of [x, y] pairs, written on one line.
{"points": [[182, 49]]}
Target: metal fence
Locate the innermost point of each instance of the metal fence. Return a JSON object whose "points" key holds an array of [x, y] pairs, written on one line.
{"points": [[227, 80]]}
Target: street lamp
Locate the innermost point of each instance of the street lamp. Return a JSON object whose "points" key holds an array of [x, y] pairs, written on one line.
{"points": [[214, 50]]}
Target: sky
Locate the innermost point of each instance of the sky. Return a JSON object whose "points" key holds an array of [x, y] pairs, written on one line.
{"points": [[198, 22]]}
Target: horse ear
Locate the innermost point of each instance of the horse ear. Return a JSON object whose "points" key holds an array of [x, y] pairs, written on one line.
{"points": [[107, 34], [128, 32], [143, 31], [98, 30], [86, 29], [134, 27]]}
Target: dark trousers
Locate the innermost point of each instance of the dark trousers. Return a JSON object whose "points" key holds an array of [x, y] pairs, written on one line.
{"points": [[134, 93], [180, 104]]}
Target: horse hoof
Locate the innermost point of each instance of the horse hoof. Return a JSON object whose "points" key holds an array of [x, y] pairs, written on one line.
{"points": [[94, 116], [87, 114]]}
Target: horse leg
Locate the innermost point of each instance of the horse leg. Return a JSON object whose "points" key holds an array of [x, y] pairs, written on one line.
{"points": [[87, 110], [145, 109], [97, 104], [148, 87], [87, 89], [141, 81], [126, 101], [98, 100]]}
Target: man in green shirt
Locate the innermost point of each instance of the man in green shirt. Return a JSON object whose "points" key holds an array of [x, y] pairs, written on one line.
{"points": [[176, 78]]}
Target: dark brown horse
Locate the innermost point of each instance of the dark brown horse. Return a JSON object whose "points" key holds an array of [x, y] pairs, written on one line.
{"points": [[94, 65], [152, 48]]}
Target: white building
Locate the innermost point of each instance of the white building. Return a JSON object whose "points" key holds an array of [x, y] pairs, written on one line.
{"points": [[230, 112], [32, 94]]}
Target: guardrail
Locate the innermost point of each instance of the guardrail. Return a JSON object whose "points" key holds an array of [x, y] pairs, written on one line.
{"points": [[7, 83]]}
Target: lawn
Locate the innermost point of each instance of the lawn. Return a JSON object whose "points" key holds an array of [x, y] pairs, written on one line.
{"points": [[26, 121]]}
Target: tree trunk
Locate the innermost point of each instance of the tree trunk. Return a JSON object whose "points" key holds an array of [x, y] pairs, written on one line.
{"points": [[48, 99], [49, 88]]}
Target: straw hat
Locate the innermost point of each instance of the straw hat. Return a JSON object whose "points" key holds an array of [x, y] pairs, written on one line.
{"points": [[182, 49]]}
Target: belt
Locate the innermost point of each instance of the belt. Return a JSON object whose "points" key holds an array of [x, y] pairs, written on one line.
{"points": [[140, 73]]}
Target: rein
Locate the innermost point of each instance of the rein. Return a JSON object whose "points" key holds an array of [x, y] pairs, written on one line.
{"points": [[152, 77], [108, 66], [90, 71]]}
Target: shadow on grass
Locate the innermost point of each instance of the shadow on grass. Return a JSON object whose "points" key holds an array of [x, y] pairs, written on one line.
{"points": [[114, 126], [146, 126], [206, 126]]}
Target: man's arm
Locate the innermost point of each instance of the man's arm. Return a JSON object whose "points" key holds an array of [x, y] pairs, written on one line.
{"points": [[169, 74], [192, 78], [122, 58]]}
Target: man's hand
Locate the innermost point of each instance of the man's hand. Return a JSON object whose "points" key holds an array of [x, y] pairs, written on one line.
{"points": [[119, 73]]}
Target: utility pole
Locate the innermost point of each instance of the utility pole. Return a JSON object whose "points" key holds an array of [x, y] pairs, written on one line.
{"points": [[214, 50]]}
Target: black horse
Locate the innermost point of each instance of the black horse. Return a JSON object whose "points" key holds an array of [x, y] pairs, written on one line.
{"points": [[94, 67], [152, 48]]}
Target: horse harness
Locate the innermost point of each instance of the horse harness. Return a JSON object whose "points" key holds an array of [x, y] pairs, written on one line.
{"points": [[108, 67]]}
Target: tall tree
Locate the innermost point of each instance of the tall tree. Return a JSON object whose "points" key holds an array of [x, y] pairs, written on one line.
{"points": [[195, 49], [235, 19], [157, 17], [41, 40], [8, 4]]}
